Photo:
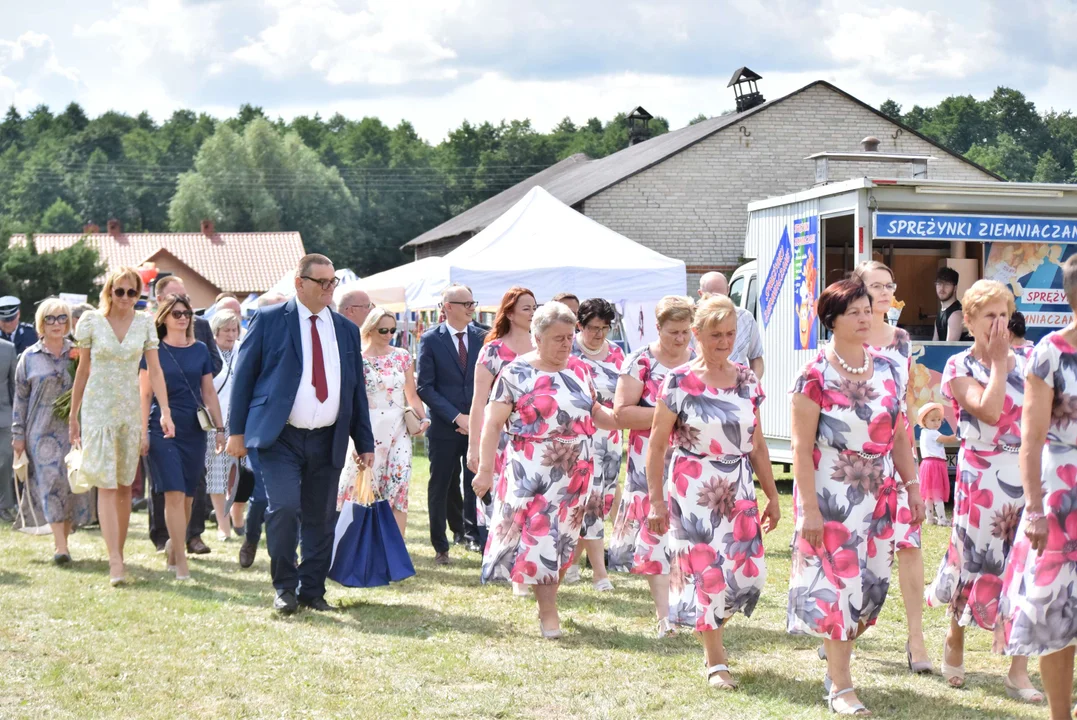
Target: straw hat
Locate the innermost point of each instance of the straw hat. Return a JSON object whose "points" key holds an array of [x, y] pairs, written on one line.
{"points": [[926, 410]]}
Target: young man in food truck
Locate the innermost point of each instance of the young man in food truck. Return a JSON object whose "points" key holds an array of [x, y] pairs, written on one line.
{"points": [[948, 323]]}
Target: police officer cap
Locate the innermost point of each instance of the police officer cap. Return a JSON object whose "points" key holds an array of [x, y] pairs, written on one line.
{"points": [[9, 307]]}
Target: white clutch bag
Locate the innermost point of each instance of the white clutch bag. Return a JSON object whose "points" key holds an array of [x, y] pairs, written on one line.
{"points": [[73, 460]]}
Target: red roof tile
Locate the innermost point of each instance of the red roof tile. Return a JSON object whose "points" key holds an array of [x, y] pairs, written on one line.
{"points": [[234, 262]]}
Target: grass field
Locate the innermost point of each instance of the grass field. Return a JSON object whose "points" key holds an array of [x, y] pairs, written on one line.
{"points": [[439, 645]]}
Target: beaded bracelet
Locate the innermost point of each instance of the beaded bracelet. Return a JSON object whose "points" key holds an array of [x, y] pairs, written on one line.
{"points": [[1033, 515]]}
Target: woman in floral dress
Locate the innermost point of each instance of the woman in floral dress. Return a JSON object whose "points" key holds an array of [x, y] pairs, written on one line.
{"points": [[390, 389], [105, 401], [710, 410], [41, 377], [986, 385], [510, 337], [1037, 608], [594, 320], [893, 344], [635, 548], [546, 400], [846, 406]]}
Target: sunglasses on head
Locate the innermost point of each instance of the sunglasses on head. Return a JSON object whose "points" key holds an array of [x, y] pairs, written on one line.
{"points": [[129, 292], [55, 319], [387, 331], [180, 314]]}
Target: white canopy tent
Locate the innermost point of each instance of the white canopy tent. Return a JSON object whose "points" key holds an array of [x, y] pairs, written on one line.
{"points": [[390, 288], [546, 246]]}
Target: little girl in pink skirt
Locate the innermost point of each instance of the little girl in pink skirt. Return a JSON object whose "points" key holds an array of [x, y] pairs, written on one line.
{"points": [[934, 476]]}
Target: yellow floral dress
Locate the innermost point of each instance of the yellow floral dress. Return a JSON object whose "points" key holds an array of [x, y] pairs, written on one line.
{"points": [[111, 417]]}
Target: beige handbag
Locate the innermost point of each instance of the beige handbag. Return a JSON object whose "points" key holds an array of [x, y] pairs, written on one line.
{"points": [[412, 421], [74, 477]]}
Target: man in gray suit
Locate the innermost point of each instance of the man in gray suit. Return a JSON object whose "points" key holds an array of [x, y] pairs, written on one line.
{"points": [[8, 359]]}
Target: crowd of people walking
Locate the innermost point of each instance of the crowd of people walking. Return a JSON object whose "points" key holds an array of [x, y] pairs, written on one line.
{"points": [[523, 424]]}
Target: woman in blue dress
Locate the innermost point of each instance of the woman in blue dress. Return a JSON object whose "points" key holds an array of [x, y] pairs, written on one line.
{"points": [[176, 463]]}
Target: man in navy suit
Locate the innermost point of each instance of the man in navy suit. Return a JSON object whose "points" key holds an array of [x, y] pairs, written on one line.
{"points": [[447, 355], [298, 395]]}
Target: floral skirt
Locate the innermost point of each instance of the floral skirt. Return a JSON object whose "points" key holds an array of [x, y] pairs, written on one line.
{"points": [[537, 524], [634, 548], [607, 453]]}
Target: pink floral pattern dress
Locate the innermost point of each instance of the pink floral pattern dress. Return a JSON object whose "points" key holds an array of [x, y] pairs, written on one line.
{"points": [[547, 471], [606, 447], [494, 356], [1038, 611], [987, 500], [716, 542], [634, 547], [385, 376], [840, 587], [899, 354]]}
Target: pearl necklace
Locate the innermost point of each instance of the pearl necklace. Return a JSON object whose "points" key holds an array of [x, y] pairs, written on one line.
{"points": [[593, 353], [847, 368]]}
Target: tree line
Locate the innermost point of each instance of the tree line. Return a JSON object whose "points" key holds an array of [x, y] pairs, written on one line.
{"points": [[359, 189]]}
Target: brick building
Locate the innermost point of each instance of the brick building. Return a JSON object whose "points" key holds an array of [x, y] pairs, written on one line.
{"points": [[685, 193]]}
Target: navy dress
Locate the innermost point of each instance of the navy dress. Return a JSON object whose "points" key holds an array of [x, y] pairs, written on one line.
{"points": [[176, 464]]}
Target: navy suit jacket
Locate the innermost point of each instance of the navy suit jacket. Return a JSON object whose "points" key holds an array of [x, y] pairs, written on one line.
{"points": [[442, 385], [266, 380]]}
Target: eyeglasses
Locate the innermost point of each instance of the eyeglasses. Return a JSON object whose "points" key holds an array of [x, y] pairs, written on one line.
{"points": [[387, 331], [469, 305], [129, 292], [180, 314], [55, 319], [326, 284], [597, 329], [364, 306], [891, 286]]}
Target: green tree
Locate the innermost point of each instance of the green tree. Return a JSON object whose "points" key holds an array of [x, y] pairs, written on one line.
{"points": [[959, 122], [34, 276], [891, 109], [1005, 157], [60, 218], [698, 119], [1048, 170]]}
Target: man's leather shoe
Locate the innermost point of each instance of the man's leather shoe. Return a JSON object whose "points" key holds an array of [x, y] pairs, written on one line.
{"points": [[286, 604], [442, 558], [457, 539], [195, 546], [247, 551], [318, 604]]}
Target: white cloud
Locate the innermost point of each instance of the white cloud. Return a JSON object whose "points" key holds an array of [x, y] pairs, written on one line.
{"points": [[30, 70], [384, 43]]}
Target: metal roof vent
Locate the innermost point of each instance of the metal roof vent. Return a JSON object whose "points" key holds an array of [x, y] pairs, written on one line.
{"points": [[870, 144], [745, 89]]}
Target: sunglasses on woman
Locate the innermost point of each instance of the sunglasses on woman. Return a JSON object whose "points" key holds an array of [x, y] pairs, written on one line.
{"points": [[129, 292], [55, 319], [387, 331], [180, 314]]}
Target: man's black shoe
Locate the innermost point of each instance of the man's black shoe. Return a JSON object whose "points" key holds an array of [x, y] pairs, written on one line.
{"points": [[285, 604], [318, 604]]}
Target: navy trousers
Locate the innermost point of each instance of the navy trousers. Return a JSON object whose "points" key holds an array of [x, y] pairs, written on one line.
{"points": [[301, 491]]}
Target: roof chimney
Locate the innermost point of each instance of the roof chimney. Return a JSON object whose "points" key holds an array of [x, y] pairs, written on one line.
{"points": [[638, 121], [90, 229], [207, 228], [114, 228], [870, 144], [745, 89]]}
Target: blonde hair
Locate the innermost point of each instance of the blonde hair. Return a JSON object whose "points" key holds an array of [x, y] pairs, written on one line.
{"points": [[867, 266], [120, 274], [372, 320], [222, 318], [1069, 279], [711, 311], [50, 306], [984, 292], [673, 308]]}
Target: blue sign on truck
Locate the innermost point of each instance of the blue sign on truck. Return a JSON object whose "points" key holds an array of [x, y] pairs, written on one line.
{"points": [[950, 226]]}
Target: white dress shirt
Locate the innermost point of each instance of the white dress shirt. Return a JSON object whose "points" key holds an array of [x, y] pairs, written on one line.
{"points": [[456, 340], [749, 344], [307, 412]]}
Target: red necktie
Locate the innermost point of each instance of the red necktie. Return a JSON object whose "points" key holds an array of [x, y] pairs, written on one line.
{"points": [[317, 370], [461, 350]]}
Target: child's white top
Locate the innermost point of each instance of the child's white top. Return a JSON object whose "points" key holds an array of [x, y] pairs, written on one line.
{"points": [[930, 447]]}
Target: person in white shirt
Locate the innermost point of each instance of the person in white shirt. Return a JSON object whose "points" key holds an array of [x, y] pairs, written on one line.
{"points": [[934, 476], [748, 345]]}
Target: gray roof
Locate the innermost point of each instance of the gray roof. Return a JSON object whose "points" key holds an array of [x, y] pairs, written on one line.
{"points": [[579, 177]]}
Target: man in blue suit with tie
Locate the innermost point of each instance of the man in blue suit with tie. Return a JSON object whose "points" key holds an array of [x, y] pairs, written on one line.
{"points": [[297, 396], [447, 356]]}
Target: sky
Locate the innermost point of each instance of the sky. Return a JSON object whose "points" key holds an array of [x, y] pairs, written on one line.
{"points": [[438, 63]]}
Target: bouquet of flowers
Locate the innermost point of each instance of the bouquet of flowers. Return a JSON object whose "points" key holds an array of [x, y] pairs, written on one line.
{"points": [[61, 408], [894, 312]]}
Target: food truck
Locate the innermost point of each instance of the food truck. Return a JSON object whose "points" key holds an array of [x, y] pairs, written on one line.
{"points": [[1017, 233]]}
